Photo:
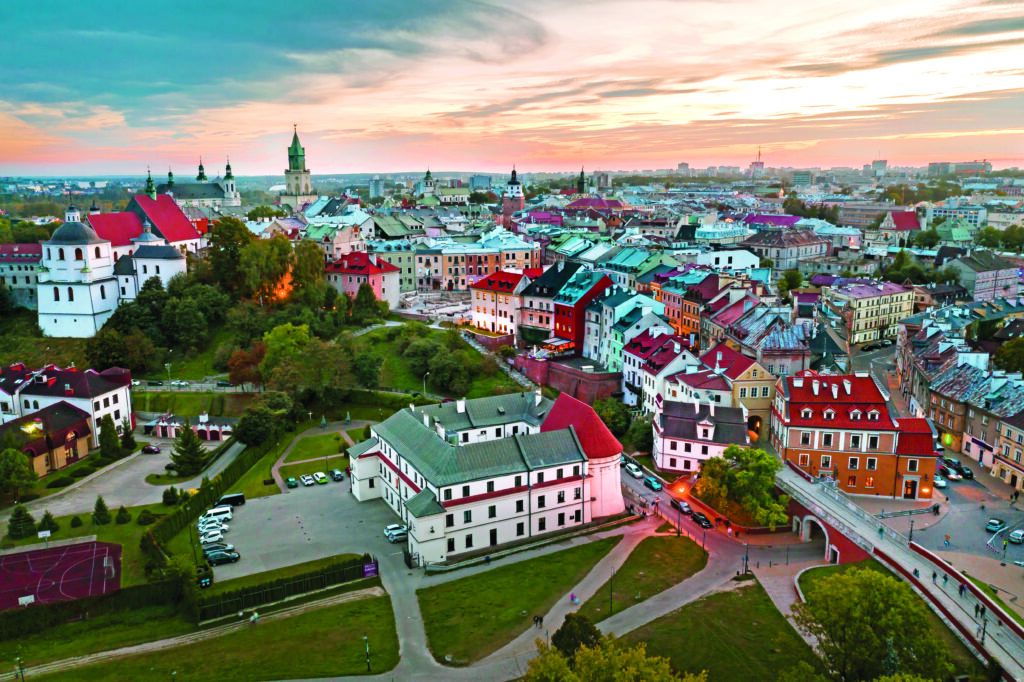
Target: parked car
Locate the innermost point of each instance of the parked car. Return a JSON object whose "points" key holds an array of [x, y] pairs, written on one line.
{"points": [[397, 536], [307, 480], [947, 473], [210, 537], [215, 525], [870, 347], [995, 525], [652, 483], [680, 505], [154, 383], [885, 343], [1017, 536], [940, 482], [170, 466], [634, 471], [218, 547], [701, 520], [291, 482], [320, 477], [394, 528], [337, 474], [232, 499], [136, 382], [224, 383], [151, 449], [179, 382], [217, 558]]}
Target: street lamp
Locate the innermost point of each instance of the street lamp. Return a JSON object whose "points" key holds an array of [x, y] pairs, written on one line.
{"points": [[167, 366], [191, 529], [611, 592], [425, 383], [367, 653]]}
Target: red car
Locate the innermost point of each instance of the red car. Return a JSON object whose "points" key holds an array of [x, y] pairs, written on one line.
{"points": [[151, 449]]}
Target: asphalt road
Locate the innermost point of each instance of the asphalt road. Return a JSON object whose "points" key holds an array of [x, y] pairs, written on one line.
{"points": [[965, 521]]}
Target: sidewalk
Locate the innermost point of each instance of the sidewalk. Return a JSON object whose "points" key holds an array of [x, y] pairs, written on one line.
{"points": [[1008, 579], [779, 582], [332, 427]]}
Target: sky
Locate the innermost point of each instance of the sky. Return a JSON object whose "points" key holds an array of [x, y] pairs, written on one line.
{"points": [[91, 87]]}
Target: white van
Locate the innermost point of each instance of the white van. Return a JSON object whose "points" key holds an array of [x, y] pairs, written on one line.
{"points": [[217, 513]]}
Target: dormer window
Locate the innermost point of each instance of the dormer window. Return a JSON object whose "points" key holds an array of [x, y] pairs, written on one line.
{"points": [[855, 415], [873, 415], [805, 413], [830, 414]]}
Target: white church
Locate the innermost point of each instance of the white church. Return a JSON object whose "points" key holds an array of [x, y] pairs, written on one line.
{"points": [[80, 284]]}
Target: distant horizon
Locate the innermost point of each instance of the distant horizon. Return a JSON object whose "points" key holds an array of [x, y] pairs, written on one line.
{"points": [[496, 83]]}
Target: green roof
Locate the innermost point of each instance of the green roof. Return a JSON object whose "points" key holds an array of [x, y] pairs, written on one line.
{"points": [[489, 411], [422, 504], [362, 446]]}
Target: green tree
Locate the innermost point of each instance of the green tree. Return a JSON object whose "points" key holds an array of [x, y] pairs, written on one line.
{"points": [[256, 425], [610, 662], [16, 471], [927, 239], [990, 238], [641, 435], [366, 367], [228, 237], [76, 522], [419, 353], [576, 631], [265, 212], [364, 307], [1010, 355], [110, 444], [21, 524], [309, 285], [100, 512], [185, 324], [615, 415], [128, 443], [6, 300], [122, 516], [112, 348], [853, 614], [766, 262], [48, 523], [170, 496], [745, 476], [285, 342], [263, 265], [189, 455]]}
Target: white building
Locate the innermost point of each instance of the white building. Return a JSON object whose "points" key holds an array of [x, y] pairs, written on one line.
{"points": [[688, 433], [477, 474], [150, 257], [729, 259], [24, 391]]}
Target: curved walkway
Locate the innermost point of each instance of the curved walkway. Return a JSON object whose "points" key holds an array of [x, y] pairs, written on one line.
{"points": [[332, 427]]}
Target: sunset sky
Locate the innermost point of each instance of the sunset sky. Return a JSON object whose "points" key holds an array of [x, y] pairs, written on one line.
{"points": [[388, 85]]}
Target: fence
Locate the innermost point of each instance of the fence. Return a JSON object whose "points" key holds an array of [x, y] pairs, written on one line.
{"points": [[254, 596]]}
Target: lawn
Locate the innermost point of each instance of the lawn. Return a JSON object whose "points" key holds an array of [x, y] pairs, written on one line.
{"points": [[734, 635], [296, 470], [316, 447], [127, 535], [654, 565], [994, 596], [472, 617], [200, 365], [192, 404], [356, 434], [666, 528], [98, 633], [251, 482], [320, 643], [397, 373], [963, 661], [276, 574], [18, 344]]}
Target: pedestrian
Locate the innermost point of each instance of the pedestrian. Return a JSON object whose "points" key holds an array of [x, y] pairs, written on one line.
{"points": [[976, 608], [540, 621], [917, 573], [881, 532], [945, 579], [934, 576], [254, 618], [982, 610], [945, 542], [962, 588], [535, 621], [729, 531]]}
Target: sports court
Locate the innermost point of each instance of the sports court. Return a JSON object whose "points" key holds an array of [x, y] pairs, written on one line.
{"points": [[60, 573]]}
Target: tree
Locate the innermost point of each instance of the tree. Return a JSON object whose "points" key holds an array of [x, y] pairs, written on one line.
{"points": [[184, 323], [419, 352], [76, 522], [131, 350], [16, 471], [1010, 355], [285, 342], [228, 237], [366, 367], [745, 476], [927, 239], [609, 662], [309, 285], [48, 523], [990, 238], [576, 631], [766, 262], [265, 212], [263, 265], [615, 415], [170, 496], [641, 435], [853, 614], [364, 307], [123, 516], [110, 444], [21, 524], [188, 454], [256, 425], [7, 304], [244, 367], [100, 512], [127, 437]]}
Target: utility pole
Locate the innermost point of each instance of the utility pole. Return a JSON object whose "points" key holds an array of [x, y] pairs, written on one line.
{"points": [[367, 653], [911, 538], [611, 591]]}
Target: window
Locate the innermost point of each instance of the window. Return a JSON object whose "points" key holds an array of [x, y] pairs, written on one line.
{"points": [[492, 512], [804, 459], [106, 402], [79, 255], [520, 528], [371, 482], [743, 392], [873, 415], [851, 481], [826, 440], [467, 516], [490, 486], [519, 481], [469, 541], [559, 474], [855, 440], [97, 252], [540, 477], [561, 496], [465, 491], [830, 415], [576, 470], [542, 523], [703, 433], [60, 254], [451, 545], [805, 413], [855, 415], [465, 437], [872, 464], [872, 442], [519, 505], [805, 438], [561, 519], [703, 449], [854, 463], [541, 502], [826, 461], [103, 292], [754, 374], [95, 405], [577, 493], [447, 494], [764, 391], [71, 294], [911, 465]]}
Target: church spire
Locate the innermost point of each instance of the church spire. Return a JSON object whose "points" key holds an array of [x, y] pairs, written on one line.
{"points": [[150, 187], [581, 183], [170, 178], [296, 152], [202, 171], [227, 171]]}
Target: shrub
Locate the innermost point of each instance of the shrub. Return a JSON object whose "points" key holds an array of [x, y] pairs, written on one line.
{"points": [[29, 497], [82, 472], [21, 524], [170, 497], [122, 517], [60, 482], [48, 523], [507, 352], [76, 522], [145, 518], [100, 512], [99, 462], [367, 434]]}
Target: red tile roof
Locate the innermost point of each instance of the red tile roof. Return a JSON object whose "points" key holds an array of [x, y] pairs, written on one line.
{"points": [[167, 217], [644, 345], [595, 438], [706, 379], [736, 310], [731, 361], [501, 281], [21, 253], [852, 394], [905, 220], [117, 228], [360, 263]]}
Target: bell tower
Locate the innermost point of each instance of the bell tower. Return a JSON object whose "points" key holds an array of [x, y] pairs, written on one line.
{"points": [[512, 200], [297, 178]]}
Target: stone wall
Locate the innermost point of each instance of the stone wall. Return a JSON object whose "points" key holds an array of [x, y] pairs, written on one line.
{"points": [[584, 386]]}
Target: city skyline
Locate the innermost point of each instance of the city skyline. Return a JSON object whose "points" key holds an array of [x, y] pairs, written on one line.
{"points": [[483, 86]]}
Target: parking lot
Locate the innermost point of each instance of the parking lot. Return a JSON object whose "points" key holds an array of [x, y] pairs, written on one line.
{"points": [[304, 524]]}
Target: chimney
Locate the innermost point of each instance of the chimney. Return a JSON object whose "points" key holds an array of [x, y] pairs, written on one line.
{"points": [[460, 405], [67, 390], [537, 397], [696, 406], [814, 387], [439, 427], [835, 391], [711, 408], [847, 385], [426, 420]]}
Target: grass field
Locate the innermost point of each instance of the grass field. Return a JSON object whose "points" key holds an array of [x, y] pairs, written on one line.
{"points": [[964, 662], [18, 344], [355, 434], [192, 404], [475, 616], [127, 535], [734, 635], [276, 574], [654, 565], [313, 447], [98, 633], [296, 470], [994, 596], [198, 366], [251, 483], [320, 643]]}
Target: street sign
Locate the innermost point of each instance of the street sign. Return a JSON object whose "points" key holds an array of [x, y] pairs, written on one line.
{"points": [[25, 601], [44, 534]]}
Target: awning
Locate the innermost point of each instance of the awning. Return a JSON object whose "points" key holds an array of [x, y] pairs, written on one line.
{"points": [[556, 342]]}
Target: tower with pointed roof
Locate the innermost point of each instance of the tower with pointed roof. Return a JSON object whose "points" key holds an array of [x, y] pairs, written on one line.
{"points": [[202, 172], [513, 200], [228, 183], [150, 190], [170, 178], [429, 189], [581, 183], [297, 178]]}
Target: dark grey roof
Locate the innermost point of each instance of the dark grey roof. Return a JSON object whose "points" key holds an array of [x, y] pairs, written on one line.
{"points": [[424, 503], [124, 266], [552, 280], [75, 233], [680, 419], [158, 252], [192, 190]]}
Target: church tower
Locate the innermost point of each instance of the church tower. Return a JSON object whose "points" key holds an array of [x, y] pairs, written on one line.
{"points": [[581, 183], [513, 200], [202, 171], [297, 182], [429, 189], [150, 190], [72, 214]]}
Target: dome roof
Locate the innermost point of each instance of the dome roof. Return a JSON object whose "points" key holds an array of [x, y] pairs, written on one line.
{"points": [[75, 233]]}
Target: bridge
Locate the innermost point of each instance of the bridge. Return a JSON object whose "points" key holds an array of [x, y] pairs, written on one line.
{"points": [[851, 534]]}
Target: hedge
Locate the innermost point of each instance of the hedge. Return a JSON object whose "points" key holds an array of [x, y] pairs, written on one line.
{"points": [[15, 623], [60, 482], [253, 596], [392, 401]]}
